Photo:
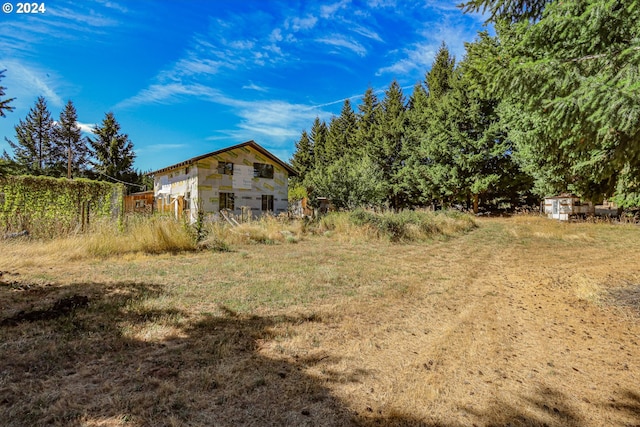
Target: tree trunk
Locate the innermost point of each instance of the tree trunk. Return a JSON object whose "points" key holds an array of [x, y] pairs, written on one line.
{"points": [[476, 198]]}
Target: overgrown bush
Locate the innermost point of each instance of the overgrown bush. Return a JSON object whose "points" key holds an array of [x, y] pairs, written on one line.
{"points": [[55, 207], [395, 227]]}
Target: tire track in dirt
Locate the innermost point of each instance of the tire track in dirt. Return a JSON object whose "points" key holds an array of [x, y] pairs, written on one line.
{"points": [[490, 338]]}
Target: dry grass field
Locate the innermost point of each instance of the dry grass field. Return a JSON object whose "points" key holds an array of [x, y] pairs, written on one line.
{"points": [[521, 321]]}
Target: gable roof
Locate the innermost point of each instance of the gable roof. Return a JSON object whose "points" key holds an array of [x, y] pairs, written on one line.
{"points": [[250, 143]]}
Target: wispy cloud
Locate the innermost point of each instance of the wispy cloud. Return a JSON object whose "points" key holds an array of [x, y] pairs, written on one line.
{"points": [[450, 28], [327, 11], [366, 32], [298, 24], [340, 41], [277, 121], [27, 83], [86, 127], [253, 86], [419, 57], [171, 93]]}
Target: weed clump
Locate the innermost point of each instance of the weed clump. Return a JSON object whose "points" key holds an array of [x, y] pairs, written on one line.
{"points": [[397, 227]]}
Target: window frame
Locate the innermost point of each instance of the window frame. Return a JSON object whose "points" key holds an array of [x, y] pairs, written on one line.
{"points": [[227, 168], [260, 168], [226, 197], [267, 200]]}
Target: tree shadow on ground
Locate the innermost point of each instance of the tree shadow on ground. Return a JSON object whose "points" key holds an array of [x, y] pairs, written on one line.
{"points": [[124, 359]]}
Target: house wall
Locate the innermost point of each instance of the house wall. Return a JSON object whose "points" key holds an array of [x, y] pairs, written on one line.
{"points": [[176, 191], [203, 183], [247, 190]]}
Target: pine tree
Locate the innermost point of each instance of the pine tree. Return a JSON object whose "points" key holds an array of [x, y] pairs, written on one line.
{"points": [[113, 151], [511, 10], [341, 133], [318, 138], [412, 168], [69, 139], [303, 160], [385, 149], [366, 119], [34, 151], [574, 66], [438, 79], [430, 172], [4, 103]]}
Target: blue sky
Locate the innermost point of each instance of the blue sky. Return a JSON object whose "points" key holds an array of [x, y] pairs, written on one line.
{"points": [[187, 77]]}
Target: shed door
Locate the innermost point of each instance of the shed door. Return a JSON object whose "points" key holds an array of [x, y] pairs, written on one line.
{"points": [[556, 205]]}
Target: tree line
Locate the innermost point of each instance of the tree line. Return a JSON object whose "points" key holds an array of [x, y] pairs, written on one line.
{"points": [[548, 104], [57, 148]]}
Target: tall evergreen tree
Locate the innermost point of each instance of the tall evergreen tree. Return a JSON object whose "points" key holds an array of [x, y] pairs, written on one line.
{"points": [[4, 103], [113, 151], [575, 66], [366, 120], [303, 160], [417, 123], [510, 10], [70, 141], [438, 79], [341, 132], [318, 138], [430, 173], [385, 149], [34, 149]]}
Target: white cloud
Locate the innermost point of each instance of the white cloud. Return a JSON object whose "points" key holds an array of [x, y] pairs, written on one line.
{"points": [[307, 23], [86, 18], [114, 6], [274, 120], [420, 57], [327, 11], [169, 93], [341, 41], [26, 83], [276, 35], [192, 66], [86, 127], [253, 86], [377, 4], [366, 32]]}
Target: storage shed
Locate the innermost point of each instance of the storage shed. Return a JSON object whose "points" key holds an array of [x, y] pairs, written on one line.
{"points": [[566, 205]]}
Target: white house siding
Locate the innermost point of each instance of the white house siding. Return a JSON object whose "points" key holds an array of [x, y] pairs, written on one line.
{"points": [[175, 184], [204, 183]]}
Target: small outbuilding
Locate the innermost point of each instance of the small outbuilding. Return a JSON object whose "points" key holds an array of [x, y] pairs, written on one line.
{"points": [[566, 205]]}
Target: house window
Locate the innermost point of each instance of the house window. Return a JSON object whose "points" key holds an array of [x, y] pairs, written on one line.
{"points": [[187, 200], [262, 170], [225, 168], [186, 170], [141, 203], [267, 202], [226, 201]]}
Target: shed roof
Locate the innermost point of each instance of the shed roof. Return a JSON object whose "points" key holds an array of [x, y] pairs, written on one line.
{"points": [[564, 196], [250, 143]]}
